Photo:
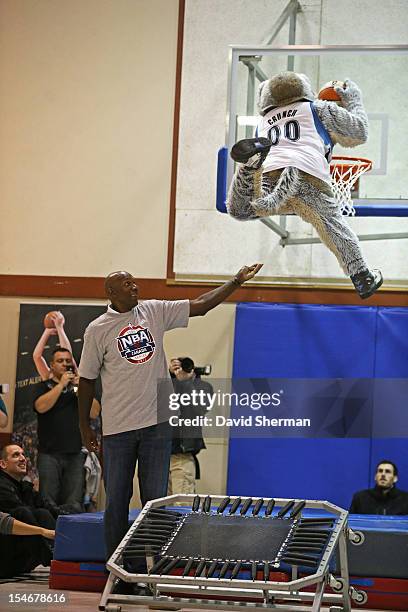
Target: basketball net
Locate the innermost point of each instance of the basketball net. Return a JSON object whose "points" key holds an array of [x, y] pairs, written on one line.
{"points": [[345, 172]]}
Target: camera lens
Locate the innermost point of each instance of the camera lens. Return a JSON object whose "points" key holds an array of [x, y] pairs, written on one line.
{"points": [[187, 364]]}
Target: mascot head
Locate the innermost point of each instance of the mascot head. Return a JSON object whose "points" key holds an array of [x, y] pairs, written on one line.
{"points": [[282, 89]]}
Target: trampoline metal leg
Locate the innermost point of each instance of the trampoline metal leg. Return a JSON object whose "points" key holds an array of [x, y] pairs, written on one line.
{"points": [[317, 600], [342, 544], [107, 591]]}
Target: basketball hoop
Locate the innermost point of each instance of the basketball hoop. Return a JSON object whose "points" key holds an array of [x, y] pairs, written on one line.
{"points": [[345, 172]]}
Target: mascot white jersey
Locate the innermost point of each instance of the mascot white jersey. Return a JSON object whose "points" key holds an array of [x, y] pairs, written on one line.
{"points": [[297, 140]]}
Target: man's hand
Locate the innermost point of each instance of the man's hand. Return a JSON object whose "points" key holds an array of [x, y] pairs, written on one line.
{"points": [[176, 369], [246, 273], [48, 533], [203, 303], [66, 378], [89, 439], [58, 319]]}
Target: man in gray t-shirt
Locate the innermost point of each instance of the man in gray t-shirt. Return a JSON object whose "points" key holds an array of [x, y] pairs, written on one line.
{"points": [[125, 347]]}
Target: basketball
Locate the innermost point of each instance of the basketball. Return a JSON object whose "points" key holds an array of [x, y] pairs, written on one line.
{"points": [[328, 93], [49, 318]]}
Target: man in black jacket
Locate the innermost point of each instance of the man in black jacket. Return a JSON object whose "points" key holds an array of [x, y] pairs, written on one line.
{"points": [[18, 498], [187, 440], [384, 498]]}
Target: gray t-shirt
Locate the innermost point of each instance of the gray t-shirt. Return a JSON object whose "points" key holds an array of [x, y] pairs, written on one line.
{"points": [[126, 349]]}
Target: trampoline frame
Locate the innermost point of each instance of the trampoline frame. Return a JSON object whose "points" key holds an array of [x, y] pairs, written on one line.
{"points": [[264, 592]]}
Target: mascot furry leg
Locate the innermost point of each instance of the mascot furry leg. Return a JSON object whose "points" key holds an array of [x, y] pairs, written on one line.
{"points": [[254, 194]]}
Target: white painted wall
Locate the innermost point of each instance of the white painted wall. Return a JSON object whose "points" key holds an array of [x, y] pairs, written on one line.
{"points": [[86, 115]]}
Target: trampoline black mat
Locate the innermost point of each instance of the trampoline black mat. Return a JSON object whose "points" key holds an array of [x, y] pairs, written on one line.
{"points": [[220, 536]]}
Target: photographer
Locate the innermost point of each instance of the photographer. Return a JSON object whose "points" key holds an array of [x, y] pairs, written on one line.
{"points": [[60, 460], [187, 441]]}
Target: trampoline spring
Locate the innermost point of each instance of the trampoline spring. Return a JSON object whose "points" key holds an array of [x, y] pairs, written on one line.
{"points": [[223, 505], [138, 553], [196, 503], [305, 547], [170, 566], [285, 509], [224, 569], [257, 507], [158, 520], [323, 535], [305, 542], [160, 563], [235, 505], [254, 570], [269, 507], [266, 571], [162, 512], [246, 505], [142, 547], [316, 521], [308, 538], [206, 507], [293, 561], [151, 531], [212, 569], [200, 568], [235, 569], [295, 555], [159, 525], [188, 566], [147, 540], [297, 509], [309, 529]]}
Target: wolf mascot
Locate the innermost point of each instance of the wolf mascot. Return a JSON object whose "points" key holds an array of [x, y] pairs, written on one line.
{"points": [[285, 169]]}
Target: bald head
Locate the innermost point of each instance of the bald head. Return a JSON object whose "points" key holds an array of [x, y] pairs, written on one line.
{"points": [[122, 290], [113, 279]]}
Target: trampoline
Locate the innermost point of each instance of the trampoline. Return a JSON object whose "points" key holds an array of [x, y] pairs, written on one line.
{"points": [[234, 552]]}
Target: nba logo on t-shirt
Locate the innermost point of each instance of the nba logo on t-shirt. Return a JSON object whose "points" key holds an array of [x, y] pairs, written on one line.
{"points": [[136, 344]]}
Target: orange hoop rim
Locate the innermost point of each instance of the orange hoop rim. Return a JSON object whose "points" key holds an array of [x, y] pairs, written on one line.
{"points": [[345, 162]]}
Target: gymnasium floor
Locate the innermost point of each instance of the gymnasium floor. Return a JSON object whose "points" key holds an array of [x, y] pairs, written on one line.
{"points": [[75, 601]]}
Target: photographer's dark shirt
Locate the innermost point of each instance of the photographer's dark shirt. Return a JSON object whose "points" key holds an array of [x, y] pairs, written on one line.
{"points": [[189, 439], [58, 428]]}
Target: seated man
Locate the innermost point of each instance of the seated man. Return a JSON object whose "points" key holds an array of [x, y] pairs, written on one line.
{"points": [[384, 498], [26, 551], [18, 498]]}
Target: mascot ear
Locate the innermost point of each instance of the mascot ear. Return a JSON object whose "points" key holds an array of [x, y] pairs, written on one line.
{"points": [[263, 99]]}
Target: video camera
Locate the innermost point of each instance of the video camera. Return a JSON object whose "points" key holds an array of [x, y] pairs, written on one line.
{"points": [[187, 365]]}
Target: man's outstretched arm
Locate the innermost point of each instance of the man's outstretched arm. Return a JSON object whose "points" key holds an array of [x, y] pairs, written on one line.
{"points": [[201, 305]]}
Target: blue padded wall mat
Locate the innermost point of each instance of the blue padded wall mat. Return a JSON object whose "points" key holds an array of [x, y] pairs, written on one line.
{"points": [[79, 537], [306, 341], [392, 362]]}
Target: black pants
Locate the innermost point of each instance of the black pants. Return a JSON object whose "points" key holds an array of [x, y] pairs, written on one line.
{"points": [[20, 554]]}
